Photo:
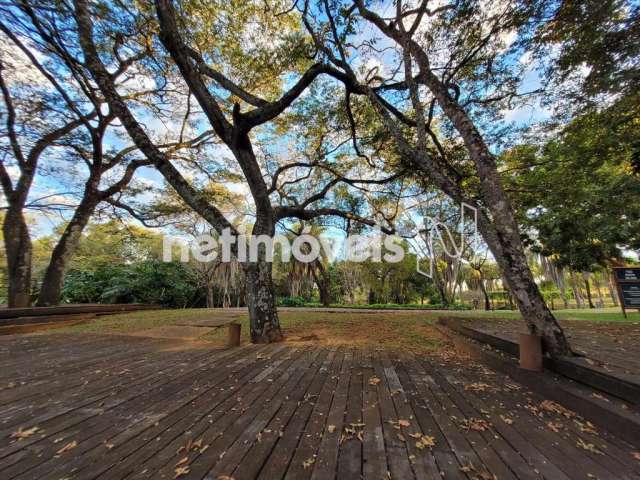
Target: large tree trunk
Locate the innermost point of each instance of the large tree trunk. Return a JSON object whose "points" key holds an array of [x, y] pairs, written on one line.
{"points": [[53, 281], [509, 254], [263, 315], [19, 251], [261, 300]]}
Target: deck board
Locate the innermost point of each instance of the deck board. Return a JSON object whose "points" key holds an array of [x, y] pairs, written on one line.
{"points": [[131, 407]]}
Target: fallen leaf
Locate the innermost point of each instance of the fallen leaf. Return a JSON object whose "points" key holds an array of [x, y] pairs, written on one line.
{"points": [[475, 424], [67, 447], [477, 387], [553, 407], [507, 420], [182, 461], [590, 447], [426, 441], [374, 381], [180, 471], [307, 463], [586, 427], [555, 426], [636, 455], [331, 428], [20, 433], [404, 423]]}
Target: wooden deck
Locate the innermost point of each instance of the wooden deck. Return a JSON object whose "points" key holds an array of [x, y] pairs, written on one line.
{"points": [[125, 407]]}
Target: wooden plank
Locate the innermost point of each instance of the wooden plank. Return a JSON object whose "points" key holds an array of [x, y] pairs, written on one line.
{"points": [[350, 451], [117, 416], [144, 451], [562, 452], [222, 436], [374, 457], [616, 460], [301, 437], [294, 413], [422, 460], [163, 444], [398, 461], [326, 462]]}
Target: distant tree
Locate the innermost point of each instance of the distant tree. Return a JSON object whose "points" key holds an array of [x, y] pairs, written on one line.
{"points": [[451, 64], [65, 137], [577, 196]]}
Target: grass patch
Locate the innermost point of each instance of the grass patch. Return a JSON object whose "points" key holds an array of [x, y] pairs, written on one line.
{"points": [[400, 330]]}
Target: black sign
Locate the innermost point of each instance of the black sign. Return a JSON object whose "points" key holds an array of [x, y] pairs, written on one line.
{"points": [[630, 294], [628, 274]]}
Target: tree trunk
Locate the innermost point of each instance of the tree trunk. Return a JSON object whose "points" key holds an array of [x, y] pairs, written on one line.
{"points": [[211, 303], [576, 291], [325, 290], [613, 291], [263, 315], [485, 294], [19, 251], [598, 285], [53, 280], [585, 275], [323, 281], [261, 301], [507, 249]]}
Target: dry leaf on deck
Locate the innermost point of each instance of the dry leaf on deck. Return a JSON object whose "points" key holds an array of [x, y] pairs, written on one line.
{"points": [[307, 463], [180, 471], [374, 381], [553, 407], [182, 461], [555, 426], [67, 447], [475, 424], [331, 428], [507, 420], [586, 427], [477, 387], [20, 433], [404, 423], [589, 447], [426, 441]]}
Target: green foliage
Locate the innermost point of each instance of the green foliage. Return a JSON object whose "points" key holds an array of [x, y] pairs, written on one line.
{"points": [[578, 196], [601, 37], [151, 282], [291, 302]]}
